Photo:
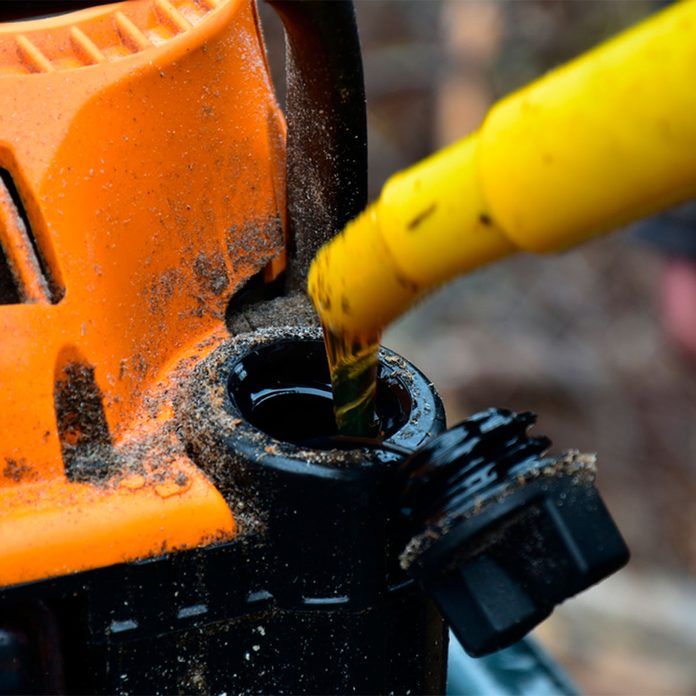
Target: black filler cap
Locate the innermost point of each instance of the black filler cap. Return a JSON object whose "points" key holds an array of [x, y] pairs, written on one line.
{"points": [[501, 532]]}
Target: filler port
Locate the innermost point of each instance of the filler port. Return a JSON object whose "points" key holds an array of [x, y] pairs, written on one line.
{"points": [[284, 389]]}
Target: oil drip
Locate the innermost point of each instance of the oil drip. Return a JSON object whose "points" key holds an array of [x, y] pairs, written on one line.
{"points": [[353, 365]]}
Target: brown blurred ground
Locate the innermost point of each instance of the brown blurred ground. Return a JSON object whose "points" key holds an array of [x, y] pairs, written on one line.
{"points": [[575, 338]]}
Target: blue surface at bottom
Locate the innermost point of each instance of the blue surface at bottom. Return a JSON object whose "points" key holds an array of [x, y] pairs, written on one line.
{"points": [[523, 668]]}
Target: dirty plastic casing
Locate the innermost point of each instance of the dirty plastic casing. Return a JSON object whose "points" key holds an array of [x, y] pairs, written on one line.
{"points": [[147, 152]]}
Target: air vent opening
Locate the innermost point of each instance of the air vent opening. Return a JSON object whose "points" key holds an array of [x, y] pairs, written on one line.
{"points": [[25, 276], [9, 292]]}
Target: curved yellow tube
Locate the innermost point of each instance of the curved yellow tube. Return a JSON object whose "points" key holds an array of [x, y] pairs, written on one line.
{"points": [[606, 139]]}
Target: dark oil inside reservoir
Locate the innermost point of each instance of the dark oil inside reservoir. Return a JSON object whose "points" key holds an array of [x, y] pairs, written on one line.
{"points": [[284, 389], [293, 413]]}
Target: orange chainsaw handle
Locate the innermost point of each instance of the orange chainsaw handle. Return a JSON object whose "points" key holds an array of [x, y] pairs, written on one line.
{"points": [[325, 114]]}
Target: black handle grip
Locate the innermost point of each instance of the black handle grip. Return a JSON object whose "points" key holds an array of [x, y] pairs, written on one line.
{"points": [[327, 125]]}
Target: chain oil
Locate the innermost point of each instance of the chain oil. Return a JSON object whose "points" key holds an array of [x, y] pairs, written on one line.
{"points": [[285, 390], [353, 363]]}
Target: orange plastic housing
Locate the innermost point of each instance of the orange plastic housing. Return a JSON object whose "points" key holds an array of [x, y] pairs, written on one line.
{"points": [[147, 150]]}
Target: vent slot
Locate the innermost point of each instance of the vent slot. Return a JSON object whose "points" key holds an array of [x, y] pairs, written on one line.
{"points": [[9, 293], [25, 271]]}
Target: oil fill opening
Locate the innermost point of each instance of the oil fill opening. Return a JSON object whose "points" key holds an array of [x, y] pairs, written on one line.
{"points": [[284, 390]]}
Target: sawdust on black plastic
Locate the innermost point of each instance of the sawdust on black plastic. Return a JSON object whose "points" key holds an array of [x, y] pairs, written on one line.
{"points": [[580, 466], [206, 421], [292, 310]]}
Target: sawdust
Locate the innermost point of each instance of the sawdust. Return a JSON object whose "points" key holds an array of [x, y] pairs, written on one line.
{"points": [[162, 288], [89, 451], [211, 273], [252, 242], [17, 470], [211, 417], [82, 428], [291, 310], [206, 427]]}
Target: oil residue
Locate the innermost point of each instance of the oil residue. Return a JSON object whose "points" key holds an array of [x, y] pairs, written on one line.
{"points": [[353, 363]]}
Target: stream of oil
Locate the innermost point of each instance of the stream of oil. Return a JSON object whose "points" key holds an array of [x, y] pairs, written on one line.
{"points": [[353, 365]]}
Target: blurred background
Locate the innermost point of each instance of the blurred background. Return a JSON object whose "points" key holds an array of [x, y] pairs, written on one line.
{"points": [[577, 338]]}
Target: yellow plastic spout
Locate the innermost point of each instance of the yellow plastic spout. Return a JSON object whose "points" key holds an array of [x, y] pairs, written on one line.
{"points": [[601, 141]]}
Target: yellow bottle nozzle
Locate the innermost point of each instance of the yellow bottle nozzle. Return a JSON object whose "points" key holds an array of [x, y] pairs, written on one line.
{"points": [[429, 224], [606, 139]]}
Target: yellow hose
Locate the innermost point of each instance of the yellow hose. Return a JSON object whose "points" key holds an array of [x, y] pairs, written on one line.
{"points": [[606, 139]]}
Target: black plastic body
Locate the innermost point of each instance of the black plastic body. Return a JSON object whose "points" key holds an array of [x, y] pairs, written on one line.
{"points": [[327, 125], [325, 543], [202, 622], [547, 543], [503, 533]]}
